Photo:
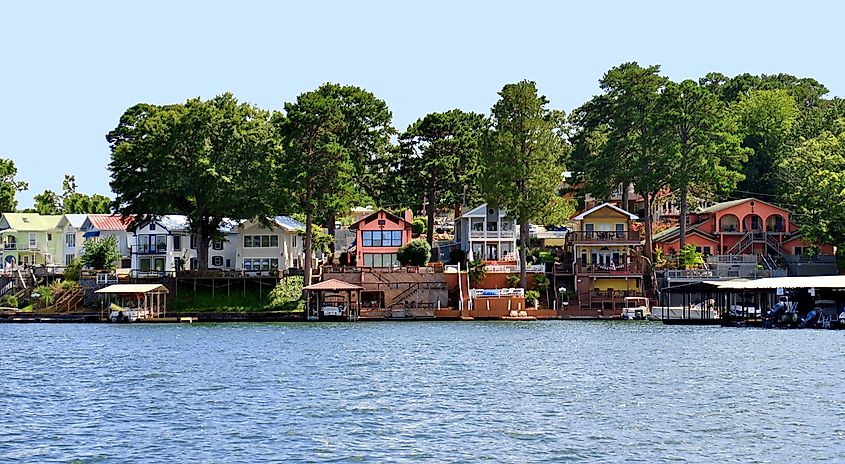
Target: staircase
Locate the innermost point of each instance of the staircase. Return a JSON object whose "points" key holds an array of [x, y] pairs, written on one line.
{"points": [[743, 244], [67, 301], [402, 298], [378, 276]]}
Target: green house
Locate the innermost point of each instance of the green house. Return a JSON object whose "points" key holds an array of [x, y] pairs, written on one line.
{"points": [[31, 239]]}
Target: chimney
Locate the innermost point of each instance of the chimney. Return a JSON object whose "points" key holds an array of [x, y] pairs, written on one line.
{"points": [[409, 216]]}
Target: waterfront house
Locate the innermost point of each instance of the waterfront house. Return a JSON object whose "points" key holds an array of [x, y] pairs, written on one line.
{"points": [[71, 226], [165, 245], [99, 226], [31, 239], [606, 262], [275, 248], [488, 232], [379, 236]]}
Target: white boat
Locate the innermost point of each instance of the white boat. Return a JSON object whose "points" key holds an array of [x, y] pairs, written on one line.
{"points": [[636, 308]]}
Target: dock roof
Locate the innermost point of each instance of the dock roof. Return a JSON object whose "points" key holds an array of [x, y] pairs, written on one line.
{"points": [[828, 281], [132, 288], [333, 284]]}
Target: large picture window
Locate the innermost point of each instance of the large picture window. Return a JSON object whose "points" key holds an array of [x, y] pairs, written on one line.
{"points": [[380, 260], [260, 241], [260, 264], [381, 238]]}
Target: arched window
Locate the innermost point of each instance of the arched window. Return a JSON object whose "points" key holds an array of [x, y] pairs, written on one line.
{"points": [[775, 223], [729, 223], [753, 223]]}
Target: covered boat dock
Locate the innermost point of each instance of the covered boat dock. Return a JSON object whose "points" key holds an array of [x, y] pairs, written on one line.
{"points": [[144, 301], [333, 298]]}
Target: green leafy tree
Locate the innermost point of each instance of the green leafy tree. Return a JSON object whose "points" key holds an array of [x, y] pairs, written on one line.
{"points": [[71, 201], [72, 270], [208, 160], [542, 284], [333, 139], [9, 187], [477, 271], [767, 120], [703, 149], [523, 157], [815, 172], [615, 141], [415, 253], [441, 160], [102, 254], [689, 257], [287, 292], [419, 225]]}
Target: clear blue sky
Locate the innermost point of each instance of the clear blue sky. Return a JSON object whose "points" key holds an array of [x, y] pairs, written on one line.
{"points": [[70, 69]]}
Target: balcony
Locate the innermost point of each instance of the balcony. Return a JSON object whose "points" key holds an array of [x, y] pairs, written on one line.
{"points": [[10, 246], [147, 249], [587, 237], [609, 269], [491, 234]]}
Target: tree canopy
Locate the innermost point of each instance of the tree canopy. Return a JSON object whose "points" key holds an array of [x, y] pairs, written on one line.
{"points": [[9, 186], [70, 201], [207, 160], [522, 157]]}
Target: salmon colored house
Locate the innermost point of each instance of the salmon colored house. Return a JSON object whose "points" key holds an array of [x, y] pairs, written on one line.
{"points": [[740, 227], [379, 236]]}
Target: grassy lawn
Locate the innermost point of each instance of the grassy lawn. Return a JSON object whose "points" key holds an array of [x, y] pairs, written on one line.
{"points": [[238, 301]]}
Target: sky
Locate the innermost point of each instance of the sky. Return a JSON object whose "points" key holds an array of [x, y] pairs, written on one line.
{"points": [[68, 70]]}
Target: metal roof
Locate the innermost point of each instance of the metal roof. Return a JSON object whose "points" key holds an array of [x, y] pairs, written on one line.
{"points": [[333, 284], [828, 281], [25, 222], [132, 288], [289, 223], [109, 221]]}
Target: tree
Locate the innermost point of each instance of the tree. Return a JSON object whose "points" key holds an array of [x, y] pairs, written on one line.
{"points": [[477, 271], [616, 141], [522, 157], [704, 152], [9, 187], [286, 293], [441, 159], [330, 137], [207, 160], [71, 201], [417, 252], [766, 120], [101, 254], [815, 172]]}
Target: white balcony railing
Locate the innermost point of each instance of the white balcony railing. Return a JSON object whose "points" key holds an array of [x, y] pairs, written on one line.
{"points": [[488, 234]]}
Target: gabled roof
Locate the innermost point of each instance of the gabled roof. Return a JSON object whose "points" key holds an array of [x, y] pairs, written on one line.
{"points": [[333, 284], [31, 221], [675, 232], [76, 220], [730, 204], [374, 216], [481, 211], [592, 210], [288, 223], [113, 222]]}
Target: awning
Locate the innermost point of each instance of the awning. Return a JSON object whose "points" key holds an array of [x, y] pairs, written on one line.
{"points": [[91, 233]]}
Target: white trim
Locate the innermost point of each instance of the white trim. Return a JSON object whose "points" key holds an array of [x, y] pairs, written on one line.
{"points": [[581, 216]]}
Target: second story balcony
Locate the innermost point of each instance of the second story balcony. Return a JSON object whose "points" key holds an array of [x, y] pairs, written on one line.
{"points": [[602, 236], [491, 234], [609, 269], [149, 248]]}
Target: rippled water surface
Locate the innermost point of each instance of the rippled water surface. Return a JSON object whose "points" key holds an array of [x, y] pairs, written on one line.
{"points": [[551, 391]]}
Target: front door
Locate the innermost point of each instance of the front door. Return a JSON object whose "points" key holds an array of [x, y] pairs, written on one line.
{"points": [[492, 251]]}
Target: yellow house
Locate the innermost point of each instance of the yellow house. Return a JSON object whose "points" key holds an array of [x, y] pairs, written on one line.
{"points": [[607, 259]]}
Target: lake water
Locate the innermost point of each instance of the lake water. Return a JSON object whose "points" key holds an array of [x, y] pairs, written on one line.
{"points": [[551, 391]]}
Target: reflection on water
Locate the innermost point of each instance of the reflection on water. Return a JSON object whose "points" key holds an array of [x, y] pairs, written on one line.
{"points": [[409, 392]]}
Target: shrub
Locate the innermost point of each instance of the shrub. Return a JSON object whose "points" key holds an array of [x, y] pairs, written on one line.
{"points": [[287, 292], [477, 271], [689, 257], [514, 281], [420, 225], [45, 296], [532, 297], [101, 254], [72, 270], [541, 282], [416, 253], [546, 257], [9, 301]]}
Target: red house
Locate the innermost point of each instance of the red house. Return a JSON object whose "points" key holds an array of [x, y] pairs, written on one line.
{"points": [[379, 236], [740, 227]]}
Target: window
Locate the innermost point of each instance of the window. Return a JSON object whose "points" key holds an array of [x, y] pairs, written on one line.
{"points": [[380, 260], [376, 238], [798, 251], [707, 251], [217, 244], [492, 226], [144, 265], [228, 263], [620, 230], [293, 241], [260, 241], [158, 263], [69, 259], [177, 243], [152, 226], [193, 242], [260, 264], [49, 237], [70, 240], [161, 243], [33, 242], [217, 261]]}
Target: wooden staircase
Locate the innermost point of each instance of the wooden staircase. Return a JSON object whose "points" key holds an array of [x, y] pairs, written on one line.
{"points": [[68, 300]]}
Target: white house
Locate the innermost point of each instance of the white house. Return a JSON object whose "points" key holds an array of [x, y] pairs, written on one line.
{"points": [[260, 248], [166, 245], [488, 232], [73, 241]]}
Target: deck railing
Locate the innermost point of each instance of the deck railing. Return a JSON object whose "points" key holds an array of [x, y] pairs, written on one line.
{"points": [[604, 236], [611, 268]]}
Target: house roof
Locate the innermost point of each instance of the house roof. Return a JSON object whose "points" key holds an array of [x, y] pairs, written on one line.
{"points": [[730, 204], [132, 288], [31, 221], [289, 223], [333, 284], [109, 221], [605, 205], [481, 211], [374, 216], [675, 231], [75, 220]]}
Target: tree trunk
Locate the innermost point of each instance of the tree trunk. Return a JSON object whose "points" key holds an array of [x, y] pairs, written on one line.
{"points": [[309, 228], [648, 252], [429, 233], [523, 253], [201, 240], [625, 197], [682, 226], [331, 224]]}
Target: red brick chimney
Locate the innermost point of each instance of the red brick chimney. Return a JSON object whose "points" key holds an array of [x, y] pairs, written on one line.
{"points": [[409, 216]]}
